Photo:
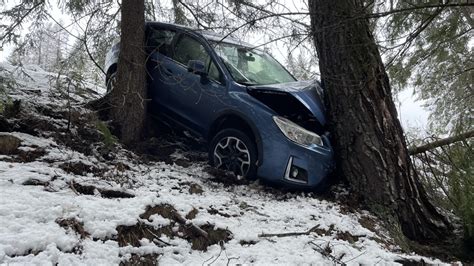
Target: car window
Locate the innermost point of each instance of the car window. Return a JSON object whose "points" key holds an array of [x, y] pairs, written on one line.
{"points": [[213, 72], [188, 48], [248, 65], [160, 40]]}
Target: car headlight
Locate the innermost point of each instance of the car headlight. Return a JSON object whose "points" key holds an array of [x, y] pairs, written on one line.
{"points": [[297, 133]]}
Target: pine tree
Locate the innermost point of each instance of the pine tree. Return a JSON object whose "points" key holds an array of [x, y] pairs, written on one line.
{"points": [[370, 147], [432, 51]]}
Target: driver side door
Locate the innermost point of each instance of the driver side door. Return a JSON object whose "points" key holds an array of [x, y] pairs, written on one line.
{"points": [[195, 97]]}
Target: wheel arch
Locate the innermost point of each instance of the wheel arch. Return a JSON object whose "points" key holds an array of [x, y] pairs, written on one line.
{"points": [[110, 70], [231, 119]]}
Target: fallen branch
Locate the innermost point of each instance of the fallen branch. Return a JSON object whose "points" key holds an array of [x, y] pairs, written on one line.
{"points": [[169, 212], [71, 185], [157, 238], [312, 230], [441, 142], [194, 228]]}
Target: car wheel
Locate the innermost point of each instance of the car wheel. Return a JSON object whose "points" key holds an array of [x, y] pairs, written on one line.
{"points": [[233, 150], [111, 81]]}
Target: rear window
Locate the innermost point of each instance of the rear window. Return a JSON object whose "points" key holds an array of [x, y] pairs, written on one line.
{"points": [[160, 40]]}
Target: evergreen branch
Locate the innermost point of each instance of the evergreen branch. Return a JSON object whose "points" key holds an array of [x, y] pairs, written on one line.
{"points": [[414, 8], [83, 40], [282, 38], [412, 36], [20, 20], [252, 5], [198, 21], [367, 16]]}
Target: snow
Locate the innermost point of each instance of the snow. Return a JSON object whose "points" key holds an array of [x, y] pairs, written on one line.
{"points": [[30, 233]]}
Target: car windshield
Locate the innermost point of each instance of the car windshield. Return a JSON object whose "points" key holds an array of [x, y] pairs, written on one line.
{"points": [[251, 66]]}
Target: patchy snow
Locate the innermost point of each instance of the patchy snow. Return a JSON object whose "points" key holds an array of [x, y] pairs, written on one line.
{"points": [[37, 194]]}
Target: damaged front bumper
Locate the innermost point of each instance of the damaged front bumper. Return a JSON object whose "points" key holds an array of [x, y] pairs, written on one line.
{"points": [[294, 165]]}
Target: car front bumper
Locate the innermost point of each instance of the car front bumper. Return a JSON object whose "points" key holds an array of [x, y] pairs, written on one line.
{"points": [[295, 166]]}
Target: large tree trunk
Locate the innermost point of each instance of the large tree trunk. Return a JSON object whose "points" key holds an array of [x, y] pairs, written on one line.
{"points": [[370, 148], [128, 96]]}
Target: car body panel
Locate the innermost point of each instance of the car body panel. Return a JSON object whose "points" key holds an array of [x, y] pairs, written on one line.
{"points": [[308, 92], [111, 58]]}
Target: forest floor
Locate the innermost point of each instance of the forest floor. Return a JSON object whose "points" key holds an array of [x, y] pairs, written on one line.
{"points": [[69, 194]]}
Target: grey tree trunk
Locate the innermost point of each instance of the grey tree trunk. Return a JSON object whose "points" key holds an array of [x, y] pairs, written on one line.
{"points": [[368, 139], [128, 96], [179, 16]]}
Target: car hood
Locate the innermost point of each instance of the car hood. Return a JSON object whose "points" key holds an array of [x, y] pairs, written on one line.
{"points": [[309, 93]]}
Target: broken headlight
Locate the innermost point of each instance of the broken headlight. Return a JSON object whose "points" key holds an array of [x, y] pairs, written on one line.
{"points": [[297, 133]]}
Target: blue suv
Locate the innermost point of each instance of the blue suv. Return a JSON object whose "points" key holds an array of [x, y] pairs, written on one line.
{"points": [[258, 119]]}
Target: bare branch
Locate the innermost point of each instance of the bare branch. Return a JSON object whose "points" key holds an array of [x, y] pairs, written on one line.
{"points": [[313, 229], [441, 142]]}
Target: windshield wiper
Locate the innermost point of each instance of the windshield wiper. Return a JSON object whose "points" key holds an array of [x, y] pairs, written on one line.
{"points": [[246, 83]]}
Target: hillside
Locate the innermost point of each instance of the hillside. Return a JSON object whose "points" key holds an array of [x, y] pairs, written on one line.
{"points": [[69, 194]]}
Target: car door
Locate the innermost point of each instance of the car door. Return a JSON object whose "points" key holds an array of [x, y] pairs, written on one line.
{"points": [[196, 97], [161, 82]]}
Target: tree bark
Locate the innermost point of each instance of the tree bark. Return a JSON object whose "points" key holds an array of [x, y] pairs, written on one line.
{"points": [[370, 148], [127, 99]]}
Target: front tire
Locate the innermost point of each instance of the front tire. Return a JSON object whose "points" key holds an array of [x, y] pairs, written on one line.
{"points": [[234, 151]]}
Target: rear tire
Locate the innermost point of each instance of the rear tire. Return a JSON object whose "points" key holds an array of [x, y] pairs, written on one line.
{"points": [[232, 150], [111, 80]]}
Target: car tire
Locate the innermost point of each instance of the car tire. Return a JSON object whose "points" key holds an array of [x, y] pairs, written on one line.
{"points": [[233, 150], [111, 80]]}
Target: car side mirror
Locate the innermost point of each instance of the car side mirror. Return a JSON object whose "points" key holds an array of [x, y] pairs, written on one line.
{"points": [[197, 67]]}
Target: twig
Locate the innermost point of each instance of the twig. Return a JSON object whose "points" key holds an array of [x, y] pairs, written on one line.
{"points": [[87, 47], [228, 259], [71, 185], [362, 253], [218, 255], [327, 252], [313, 229], [158, 238]]}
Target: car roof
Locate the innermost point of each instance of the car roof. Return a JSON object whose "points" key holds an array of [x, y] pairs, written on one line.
{"points": [[209, 35]]}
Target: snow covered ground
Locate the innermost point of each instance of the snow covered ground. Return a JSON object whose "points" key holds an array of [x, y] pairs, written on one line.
{"points": [[67, 202]]}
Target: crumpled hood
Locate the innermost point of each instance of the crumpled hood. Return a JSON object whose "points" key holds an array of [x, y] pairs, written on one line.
{"points": [[308, 92]]}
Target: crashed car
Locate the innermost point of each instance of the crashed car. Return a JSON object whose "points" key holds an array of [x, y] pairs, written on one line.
{"points": [[258, 119]]}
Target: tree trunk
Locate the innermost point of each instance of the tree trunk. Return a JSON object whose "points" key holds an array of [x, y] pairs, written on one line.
{"points": [[370, 148], [128, 96]]}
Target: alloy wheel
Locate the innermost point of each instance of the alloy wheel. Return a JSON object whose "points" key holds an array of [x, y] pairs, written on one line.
{"points": [[232, 154]]}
